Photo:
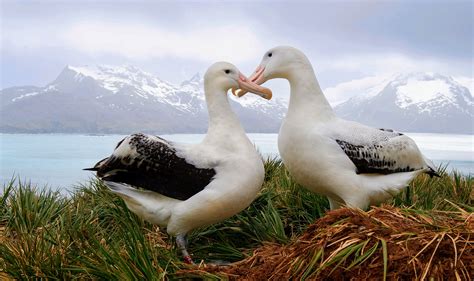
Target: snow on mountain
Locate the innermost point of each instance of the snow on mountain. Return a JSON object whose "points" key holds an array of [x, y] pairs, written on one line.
{"points": [[274, 107], [467, 82], [116, 78], [124, 99], [25, 95], [416, 102], [425, 90]]}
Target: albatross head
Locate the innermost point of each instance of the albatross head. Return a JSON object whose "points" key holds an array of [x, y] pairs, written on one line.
{"points": [[225, 76], [278, 62]]}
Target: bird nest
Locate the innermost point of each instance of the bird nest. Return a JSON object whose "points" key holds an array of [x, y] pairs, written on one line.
{"points": [[383, 243]]}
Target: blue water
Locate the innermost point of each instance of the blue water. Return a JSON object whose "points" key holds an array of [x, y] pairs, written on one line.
{"points": [[57, 160]]}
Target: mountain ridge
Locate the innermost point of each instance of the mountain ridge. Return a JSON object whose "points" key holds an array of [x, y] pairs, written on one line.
{"points": [[123, 99], [415, 102]]}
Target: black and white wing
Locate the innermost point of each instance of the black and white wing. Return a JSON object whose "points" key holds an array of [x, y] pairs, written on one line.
{"points": [[381, 151], [152, 163]]}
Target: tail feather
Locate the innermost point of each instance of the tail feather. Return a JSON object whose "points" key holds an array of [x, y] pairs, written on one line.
{"points": [[144, 196], [136, 199], [97, 166], [95, 169], [149, 205], [124, 189], [383, 187], [431, 171]]}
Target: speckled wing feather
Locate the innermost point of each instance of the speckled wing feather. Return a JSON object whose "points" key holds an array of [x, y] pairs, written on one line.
{"points": [[152, 163], [381, 151]]}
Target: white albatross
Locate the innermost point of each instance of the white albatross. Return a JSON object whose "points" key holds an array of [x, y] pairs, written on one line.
{"points": [[350, 163], [183, 187]]}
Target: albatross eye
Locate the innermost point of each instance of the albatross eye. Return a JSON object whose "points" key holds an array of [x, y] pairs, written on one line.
{"points": [[227, 71], [269, 55]]}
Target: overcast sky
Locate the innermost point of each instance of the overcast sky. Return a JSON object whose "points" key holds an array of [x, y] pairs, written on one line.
{"points": [[345, 40]]}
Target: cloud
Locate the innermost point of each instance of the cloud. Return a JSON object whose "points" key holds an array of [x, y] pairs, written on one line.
{"points": [[378, 63], [387, 63], [371, 85], [235, 42]]}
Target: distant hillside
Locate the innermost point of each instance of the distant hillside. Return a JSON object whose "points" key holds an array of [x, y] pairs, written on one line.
{"points": [[414, 102], [122, 100]]}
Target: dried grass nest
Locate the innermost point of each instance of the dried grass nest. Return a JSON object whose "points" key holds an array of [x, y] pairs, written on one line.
{"points": [[383, 243]]}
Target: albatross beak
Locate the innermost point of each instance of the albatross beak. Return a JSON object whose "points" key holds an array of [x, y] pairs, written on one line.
{"points": [[246, 85], [256, 78]]}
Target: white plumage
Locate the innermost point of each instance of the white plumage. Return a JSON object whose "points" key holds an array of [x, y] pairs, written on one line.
{"points": [[350, 163], [184, 187]]}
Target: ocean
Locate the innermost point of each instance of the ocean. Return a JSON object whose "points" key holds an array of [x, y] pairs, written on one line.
{"points": [[57, 160]]}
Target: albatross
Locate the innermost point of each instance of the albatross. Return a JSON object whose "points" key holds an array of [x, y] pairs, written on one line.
{"points": [[183, 187], [350, 163]]}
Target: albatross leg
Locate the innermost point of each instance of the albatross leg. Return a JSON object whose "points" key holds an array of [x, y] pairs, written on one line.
{"points": [[182, 242], [408, 195]]}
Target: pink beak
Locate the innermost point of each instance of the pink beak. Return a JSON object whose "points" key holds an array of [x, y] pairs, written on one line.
{"points": [[256, 78], [247, 85]]}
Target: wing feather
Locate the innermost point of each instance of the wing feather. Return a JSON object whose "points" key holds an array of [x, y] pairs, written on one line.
{"points": [[152, 163], [381, 151]]}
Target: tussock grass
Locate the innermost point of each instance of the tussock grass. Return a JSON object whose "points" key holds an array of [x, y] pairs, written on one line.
{"points": [[92, 235], [383, 243]]}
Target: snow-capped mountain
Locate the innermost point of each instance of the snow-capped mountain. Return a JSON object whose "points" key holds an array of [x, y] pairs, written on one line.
{"points": [[105, 99], [125, 99], [414, 102]]}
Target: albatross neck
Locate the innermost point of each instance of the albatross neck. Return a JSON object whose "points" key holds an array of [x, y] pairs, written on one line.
{"points": [[307, 99], [222, 120]]}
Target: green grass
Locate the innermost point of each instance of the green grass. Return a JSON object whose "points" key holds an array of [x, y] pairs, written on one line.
{"points": [[92, 234]]}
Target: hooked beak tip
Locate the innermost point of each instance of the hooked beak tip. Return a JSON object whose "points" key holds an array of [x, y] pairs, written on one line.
{"points": [[268, 95], [235, 91], [238, 92]]}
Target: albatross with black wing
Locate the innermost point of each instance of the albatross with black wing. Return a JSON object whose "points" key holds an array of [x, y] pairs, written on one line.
{"points": [[152, 163], [183, 187]]}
